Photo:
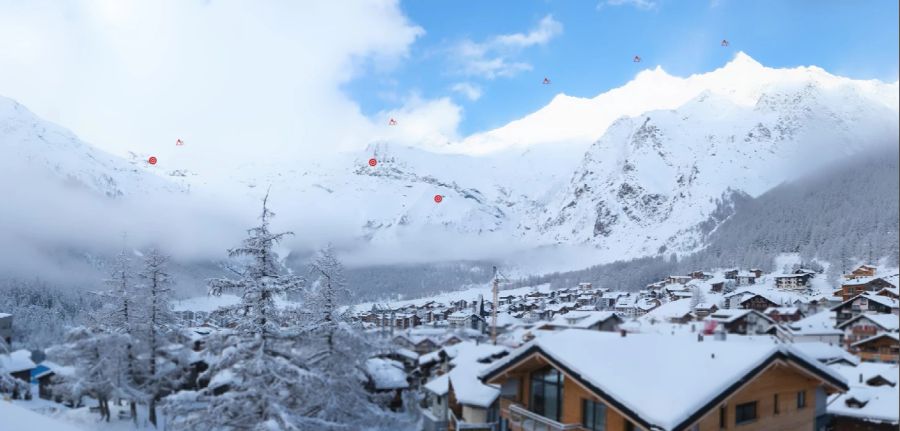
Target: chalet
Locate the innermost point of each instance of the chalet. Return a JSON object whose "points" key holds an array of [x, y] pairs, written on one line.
{"points": [[717, 285], [862, 271], [678, 279], [890, 292], [388, 377], [466, 319], [855, 286], [583, 286], [608, 300], [6, 328], [871, 402], [757, 302], [731, 274], [757, 272], [567, 380], [506, 299], [784, 314], [704, 309], [742, 321], [884, 347], [592, 320], [816, 327], [792, 281], [457, 397], [17, 364], [865, 303], [700, 275], [745, 278], [644, 305], [867, 325]]}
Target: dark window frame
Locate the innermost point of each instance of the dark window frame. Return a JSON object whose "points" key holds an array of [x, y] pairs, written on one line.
{"points": [[741, 411], [590, 418], [723, 417], [801, 400], [541, 378], [775, 406]]}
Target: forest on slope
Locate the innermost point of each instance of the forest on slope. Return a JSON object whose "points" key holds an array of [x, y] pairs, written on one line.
{"points": [[846, 213]]}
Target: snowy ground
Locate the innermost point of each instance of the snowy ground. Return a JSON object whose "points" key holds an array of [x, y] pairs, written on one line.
{"points": [[43, 415]]}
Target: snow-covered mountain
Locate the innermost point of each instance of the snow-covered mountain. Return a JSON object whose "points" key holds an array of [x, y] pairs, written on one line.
{"points": [[643, 168], [651, 178], [35, 146]]}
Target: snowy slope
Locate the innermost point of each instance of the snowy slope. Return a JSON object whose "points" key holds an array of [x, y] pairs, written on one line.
{"points": [[651, 178], [35, 146]]}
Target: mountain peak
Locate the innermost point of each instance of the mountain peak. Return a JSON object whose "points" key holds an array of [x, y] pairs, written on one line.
{"points": [[742, 61]]}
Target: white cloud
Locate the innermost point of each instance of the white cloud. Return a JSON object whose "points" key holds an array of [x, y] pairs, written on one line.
{"points": [[639, 4], [237, 81], [468, 90], [429, 123], [496, 57]]}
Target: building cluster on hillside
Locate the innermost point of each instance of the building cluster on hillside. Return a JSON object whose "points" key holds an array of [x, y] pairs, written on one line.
{"points": [[771, 351], [724, 350]]}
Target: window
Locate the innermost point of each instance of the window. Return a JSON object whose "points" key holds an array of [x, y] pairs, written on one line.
{"points": [[745, 413], [546, 393], [723, 418], [801, 399], [593, 415], [628, 425], [775, 403]]}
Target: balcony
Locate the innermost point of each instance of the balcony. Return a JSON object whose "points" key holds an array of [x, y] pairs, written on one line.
{"points": [[459, 425], [520, 419]]}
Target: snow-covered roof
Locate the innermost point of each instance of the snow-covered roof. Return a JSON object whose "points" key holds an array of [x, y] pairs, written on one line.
{"points": [[881, 299], [16, 417], [887, 322], [2, 315], [20, 360], [892, 336], [669, 310], [386, 374], [580, 319], [880, 402], [826, 353], [727, 315], [782, 310], [662, 403], [821, 323], [406, 353], [468, 360]]}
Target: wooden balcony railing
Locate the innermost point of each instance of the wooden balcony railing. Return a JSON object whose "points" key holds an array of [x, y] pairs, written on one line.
{"points": [[456, 424]]}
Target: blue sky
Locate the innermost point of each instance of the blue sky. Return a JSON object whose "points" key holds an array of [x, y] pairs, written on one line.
{"points": [[587, 47]]}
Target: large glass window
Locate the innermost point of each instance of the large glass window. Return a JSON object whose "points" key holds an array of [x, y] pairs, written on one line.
{"points": [[744, 413], [546, 393], [593, 415]]}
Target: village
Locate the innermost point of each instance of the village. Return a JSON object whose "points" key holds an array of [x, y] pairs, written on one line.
{"points": [[731, 349]]}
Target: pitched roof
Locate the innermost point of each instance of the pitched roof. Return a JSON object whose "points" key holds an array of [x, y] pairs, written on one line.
{"points": [[887, 322], [894, 337], [20, 360], [881, 299], [671, 403]]}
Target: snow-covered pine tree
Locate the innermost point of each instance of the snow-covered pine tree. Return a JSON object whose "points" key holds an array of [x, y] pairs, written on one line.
{"points": [[257, 381], [164, 366], [120, 316], [96, 355], [336, 351]]}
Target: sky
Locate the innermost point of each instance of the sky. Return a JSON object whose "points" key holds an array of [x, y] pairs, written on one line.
{"points": [[293, 80]]}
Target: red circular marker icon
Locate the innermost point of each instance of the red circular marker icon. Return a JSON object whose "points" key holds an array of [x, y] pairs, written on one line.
{"points": [[373, 162], [151, 160], [438, 198]]}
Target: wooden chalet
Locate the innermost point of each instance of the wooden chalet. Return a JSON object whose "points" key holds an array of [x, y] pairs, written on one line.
{"points": [[569, 381]]}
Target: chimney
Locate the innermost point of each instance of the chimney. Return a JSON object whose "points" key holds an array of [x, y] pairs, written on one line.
{"points": [[623, 333], [860, 377], [713, 355], [699, 337]]}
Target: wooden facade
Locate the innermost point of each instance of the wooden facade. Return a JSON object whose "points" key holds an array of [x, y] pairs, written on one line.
{"points": [[777, 381], [881, 348]]}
